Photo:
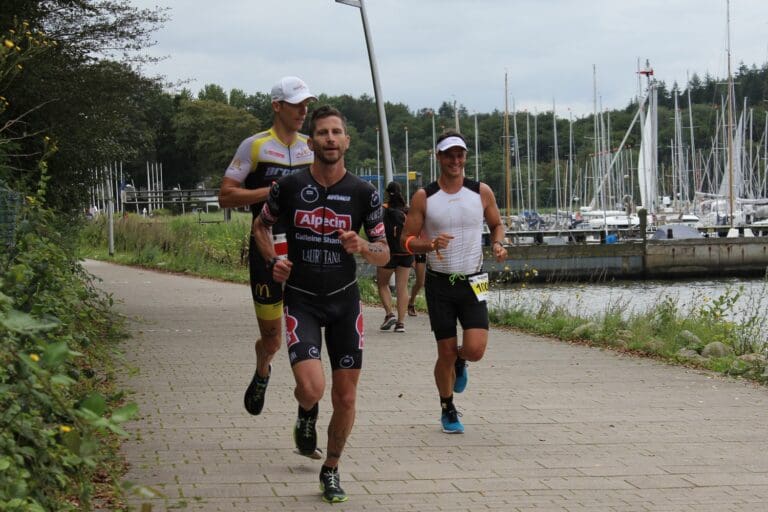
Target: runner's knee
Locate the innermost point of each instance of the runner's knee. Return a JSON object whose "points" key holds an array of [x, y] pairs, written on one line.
{"points": [[309, 390], [343, 399], [473, 353]]}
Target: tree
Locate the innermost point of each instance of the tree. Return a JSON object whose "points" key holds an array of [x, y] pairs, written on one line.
{"points": [[209, 132], [238, 99], [84, 94], [213, 92]]}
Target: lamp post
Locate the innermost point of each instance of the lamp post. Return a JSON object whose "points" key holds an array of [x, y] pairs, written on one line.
{"points": [[407, 173], [433, 175], [376, 89], [378, 161], [477, 151]]}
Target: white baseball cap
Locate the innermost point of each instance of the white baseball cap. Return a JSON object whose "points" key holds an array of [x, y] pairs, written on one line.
{"points": [[291, 89]]}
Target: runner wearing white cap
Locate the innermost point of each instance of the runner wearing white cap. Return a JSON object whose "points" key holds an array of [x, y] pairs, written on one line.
{"points": [[445, 221], [260, 160]]}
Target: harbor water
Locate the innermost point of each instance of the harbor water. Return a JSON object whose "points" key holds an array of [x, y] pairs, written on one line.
{"points": [[590, 299]]}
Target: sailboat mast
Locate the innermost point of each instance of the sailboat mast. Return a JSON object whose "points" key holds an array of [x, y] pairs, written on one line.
{"points": [[508, 187], [557, 167], [570, 162], [730, 112], [694, 166], [518, 172]]}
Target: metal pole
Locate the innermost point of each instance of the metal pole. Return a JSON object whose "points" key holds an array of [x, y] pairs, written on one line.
{"points": [[434, 151], [376, 88], [407, 173], [149, 189], [456, 116], [378, 160], [110, 211], [156, 180], [477, 154]]}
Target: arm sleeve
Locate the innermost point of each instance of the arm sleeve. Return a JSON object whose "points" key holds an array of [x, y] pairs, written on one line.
{"points": [[373, 221], [270, 212]]}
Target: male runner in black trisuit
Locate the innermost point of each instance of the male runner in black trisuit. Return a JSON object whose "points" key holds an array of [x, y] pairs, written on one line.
{"points": [[324, 208]]}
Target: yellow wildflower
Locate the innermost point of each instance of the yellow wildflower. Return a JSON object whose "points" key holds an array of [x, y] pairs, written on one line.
{"points": [[65, 428], [34, 357], [8, 43]]}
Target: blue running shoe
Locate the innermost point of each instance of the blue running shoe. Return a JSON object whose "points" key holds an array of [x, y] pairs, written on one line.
{"points": [[451, 423], [462, 375]]}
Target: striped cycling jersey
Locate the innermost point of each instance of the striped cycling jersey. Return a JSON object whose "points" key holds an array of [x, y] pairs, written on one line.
{"points": [[262, 159]]}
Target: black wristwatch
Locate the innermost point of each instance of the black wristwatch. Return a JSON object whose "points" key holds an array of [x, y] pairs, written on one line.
{"points": [[271, 264]]}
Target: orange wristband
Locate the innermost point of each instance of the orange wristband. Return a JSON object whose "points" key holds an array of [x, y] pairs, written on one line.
{"points": [[408, 242]]}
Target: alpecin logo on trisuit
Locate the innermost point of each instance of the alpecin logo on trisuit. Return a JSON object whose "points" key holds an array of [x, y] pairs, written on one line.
{"points": [[321, 220]]}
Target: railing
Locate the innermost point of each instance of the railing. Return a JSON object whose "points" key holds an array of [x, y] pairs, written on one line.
{"points": [[146, 201]]}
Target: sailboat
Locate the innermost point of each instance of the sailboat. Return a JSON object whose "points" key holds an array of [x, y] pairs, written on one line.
{"points": [[731, 205]]}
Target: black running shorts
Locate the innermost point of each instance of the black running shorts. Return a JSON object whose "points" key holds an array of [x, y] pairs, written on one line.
{"points": [[399, 260], [342, 316], [450, 301]]}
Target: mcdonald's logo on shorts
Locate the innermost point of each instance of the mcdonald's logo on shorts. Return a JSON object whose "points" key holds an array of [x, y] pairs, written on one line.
{"points": [[262, 290]]}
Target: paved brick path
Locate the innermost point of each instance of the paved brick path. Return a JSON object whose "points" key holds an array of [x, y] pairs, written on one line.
{"points": [[550, 426]]}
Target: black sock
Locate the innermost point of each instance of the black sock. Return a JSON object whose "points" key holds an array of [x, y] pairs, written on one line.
{"points": [[446, 403], [312, 413]]}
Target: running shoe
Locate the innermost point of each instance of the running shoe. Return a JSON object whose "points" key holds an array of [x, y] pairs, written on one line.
{"points": [[254, 395], [462, 375], [451, 422], [411, 310], [330, 484], [305, 436], [399, 327], [389, 321]]}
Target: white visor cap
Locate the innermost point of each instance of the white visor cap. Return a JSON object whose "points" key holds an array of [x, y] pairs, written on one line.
{"points": [[450, 142], [291, 89]]}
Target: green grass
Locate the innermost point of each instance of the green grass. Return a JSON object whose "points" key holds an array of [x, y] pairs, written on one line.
{"points": [[663, 331]]}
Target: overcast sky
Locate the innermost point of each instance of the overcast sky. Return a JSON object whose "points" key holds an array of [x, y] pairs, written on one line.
{"points": [[430, 51]]}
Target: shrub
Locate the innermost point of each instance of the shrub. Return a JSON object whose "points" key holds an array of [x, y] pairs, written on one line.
{"points": [[54, 414]]}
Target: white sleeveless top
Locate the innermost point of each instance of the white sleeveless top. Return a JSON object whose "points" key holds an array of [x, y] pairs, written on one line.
{"points": [[460, 215]]}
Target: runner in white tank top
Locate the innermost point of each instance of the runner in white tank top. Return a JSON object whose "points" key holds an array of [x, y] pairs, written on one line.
{"points": [[450, 213]]}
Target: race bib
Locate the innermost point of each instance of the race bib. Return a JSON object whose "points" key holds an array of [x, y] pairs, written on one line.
{"points": [[480, 286]]}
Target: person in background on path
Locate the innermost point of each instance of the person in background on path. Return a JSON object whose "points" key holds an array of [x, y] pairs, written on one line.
{"points": [[419, 271], [324, 209], [445, 222], [259, 160], [399, 261]]}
